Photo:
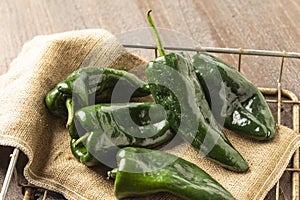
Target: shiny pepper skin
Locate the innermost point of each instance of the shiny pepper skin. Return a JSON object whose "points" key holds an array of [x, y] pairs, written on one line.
{"points": [[108, 127], [143, 172], [188, 111], [91, 85], [235, 102]]}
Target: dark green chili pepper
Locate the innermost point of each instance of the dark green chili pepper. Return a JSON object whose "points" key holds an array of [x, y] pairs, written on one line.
{"points": [[79, 151], [143, 172], [100, 83], [94, 84], [235, 101], [91, 85], [55, 101], [111, 126], [174, 85]]}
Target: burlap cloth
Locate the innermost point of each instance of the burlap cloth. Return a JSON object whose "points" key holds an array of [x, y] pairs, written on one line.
{"points": [[25, 122]]}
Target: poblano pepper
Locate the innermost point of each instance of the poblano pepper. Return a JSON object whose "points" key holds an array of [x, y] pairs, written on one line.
{"points": [[91, 85], [107, 127], [80, 153], [143, 172], [174, 85], [235, 101]]}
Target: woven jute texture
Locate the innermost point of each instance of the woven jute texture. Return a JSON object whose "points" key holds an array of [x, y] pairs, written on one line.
{"points": [[26, 123]]}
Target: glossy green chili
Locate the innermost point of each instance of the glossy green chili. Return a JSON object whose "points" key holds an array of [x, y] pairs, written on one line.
{"points": [[143, 172], [87, 86], [80, 153], [92, 85], [55, 102], [235, 101], [174, 85], [107, 127]]}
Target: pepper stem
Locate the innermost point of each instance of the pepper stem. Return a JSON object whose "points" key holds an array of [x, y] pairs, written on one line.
{"points": [[160, 48], [81, 139], [112, 174], [70, 108]]}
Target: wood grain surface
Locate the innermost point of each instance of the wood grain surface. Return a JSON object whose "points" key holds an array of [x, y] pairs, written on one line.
{"points": [[251, 24]]}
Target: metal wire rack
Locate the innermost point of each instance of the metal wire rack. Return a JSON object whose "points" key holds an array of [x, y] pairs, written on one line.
{"points": [[280, 97]]}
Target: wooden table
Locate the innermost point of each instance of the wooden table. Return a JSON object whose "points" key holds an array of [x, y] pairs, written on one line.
{"points": [[255, 24]]}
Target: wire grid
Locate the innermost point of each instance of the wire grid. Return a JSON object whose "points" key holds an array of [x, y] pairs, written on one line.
{"points": [[275, 92], [278, 92]]}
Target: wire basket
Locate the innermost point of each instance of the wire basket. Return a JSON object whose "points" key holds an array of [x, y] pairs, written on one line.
{"points": [[278, 96]]}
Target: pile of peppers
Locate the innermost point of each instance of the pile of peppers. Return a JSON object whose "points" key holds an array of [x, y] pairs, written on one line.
{"points": [[193, 97]]}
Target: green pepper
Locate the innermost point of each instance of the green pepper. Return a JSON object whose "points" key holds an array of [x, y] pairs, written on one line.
{"points": [[107, 127], [94, 85], [55, 101], [235, 101], [143, 172], [174, 85], [79, 151]]}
